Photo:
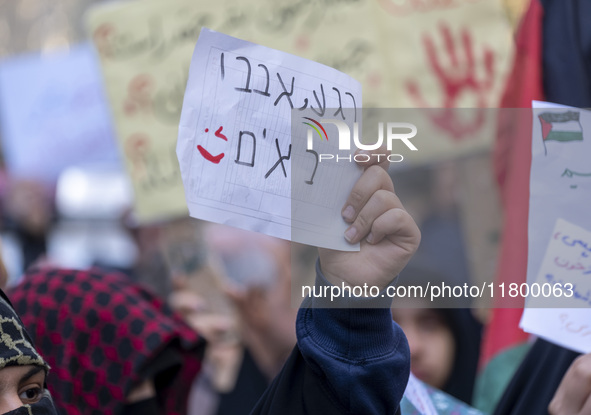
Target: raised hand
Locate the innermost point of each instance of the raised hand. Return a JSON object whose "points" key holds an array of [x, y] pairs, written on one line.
{"points": [[388, 234]]}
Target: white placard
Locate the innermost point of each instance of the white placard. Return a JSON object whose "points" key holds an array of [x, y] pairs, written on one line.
{"points": [[565, 280], [239, 162]]}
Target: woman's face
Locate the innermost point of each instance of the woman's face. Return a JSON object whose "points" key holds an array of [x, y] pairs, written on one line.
{"points": [[431, 342], [20, 385]]}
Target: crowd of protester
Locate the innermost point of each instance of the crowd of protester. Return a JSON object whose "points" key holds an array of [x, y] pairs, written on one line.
{"points": [[204, 323]]}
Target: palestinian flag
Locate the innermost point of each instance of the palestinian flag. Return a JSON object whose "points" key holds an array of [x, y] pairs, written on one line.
{"points": [[504, 343], [561, 126]]}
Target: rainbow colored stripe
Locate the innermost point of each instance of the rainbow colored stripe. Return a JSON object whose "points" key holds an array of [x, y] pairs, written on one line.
{"points": [[314, 127]]}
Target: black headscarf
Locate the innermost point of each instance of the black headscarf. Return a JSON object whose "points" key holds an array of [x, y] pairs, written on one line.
{"points": [[534, 384], [467, 333], [466, 330], [16, 349]]}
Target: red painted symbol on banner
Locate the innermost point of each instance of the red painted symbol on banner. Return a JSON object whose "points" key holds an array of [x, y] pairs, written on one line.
{"points": [[455, 81]]}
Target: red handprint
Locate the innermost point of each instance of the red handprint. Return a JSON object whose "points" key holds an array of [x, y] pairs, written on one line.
{"points": [[103, 37], [136, 147], [459, 78], [139, 95]]}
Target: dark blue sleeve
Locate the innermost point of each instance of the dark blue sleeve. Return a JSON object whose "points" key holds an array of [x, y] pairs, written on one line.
{"points": [[360, 353]]}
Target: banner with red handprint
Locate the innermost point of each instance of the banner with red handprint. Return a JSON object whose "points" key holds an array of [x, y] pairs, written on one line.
{"points": [[405, 53], [145, 54], [448, 55]]}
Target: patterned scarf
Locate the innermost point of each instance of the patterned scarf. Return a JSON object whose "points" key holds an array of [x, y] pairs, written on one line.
{"points": [[102, 334], [16, 349]]}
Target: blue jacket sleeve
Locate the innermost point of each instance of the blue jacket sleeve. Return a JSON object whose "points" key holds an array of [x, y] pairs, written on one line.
{"points": [[361, 354]]}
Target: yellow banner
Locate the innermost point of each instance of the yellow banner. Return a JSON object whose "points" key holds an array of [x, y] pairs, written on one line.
{"points": [[406, 53], [145, 50]]}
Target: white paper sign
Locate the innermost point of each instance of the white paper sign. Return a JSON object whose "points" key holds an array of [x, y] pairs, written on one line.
{"points": [[239, 162], [560, 194], [565, 280], [560, 180]]}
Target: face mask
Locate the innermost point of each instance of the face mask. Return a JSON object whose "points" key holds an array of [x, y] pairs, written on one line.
{"points": [[145, 407], [43, 407], [17, 348]]}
